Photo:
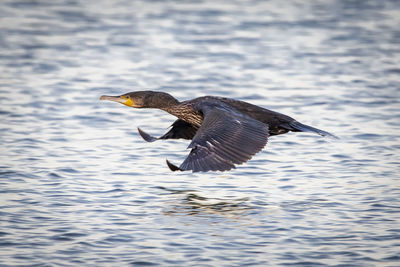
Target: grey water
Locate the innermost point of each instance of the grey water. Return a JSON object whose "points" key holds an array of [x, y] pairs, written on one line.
{"points": [[79, 186]]}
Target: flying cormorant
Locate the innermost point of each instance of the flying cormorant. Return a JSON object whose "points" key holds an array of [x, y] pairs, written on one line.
{"points": [[224, 131]]}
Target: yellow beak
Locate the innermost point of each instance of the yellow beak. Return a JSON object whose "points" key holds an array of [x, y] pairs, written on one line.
{"points": [[126, 101]]}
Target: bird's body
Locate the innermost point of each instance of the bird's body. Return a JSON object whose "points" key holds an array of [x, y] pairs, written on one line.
{"points": [[224, 131], [272, 118]]}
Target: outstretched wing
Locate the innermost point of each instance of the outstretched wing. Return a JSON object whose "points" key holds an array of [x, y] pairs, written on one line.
{"points": [[225, 138], [179, 129]]}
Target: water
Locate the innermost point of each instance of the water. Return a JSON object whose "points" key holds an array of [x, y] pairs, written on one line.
{"points": [[80, 187]]}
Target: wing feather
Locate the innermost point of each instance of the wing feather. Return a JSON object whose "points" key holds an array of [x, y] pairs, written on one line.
{"points": [[179, 129], [225, 138]]}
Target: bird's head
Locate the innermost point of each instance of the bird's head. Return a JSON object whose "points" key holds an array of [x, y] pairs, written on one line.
{"points": [[143, 99]]}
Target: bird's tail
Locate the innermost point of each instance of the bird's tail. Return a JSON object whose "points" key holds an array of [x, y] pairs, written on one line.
{"points": [[296, 126]]}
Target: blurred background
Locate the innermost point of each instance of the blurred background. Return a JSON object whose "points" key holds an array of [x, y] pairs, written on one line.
{"points": [[78, 185]]}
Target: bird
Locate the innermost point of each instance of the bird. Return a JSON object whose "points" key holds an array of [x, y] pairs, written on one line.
{"points": [[224, 132]]}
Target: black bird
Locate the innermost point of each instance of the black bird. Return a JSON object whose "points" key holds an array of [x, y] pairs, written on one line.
{"points": [[224, 131]]}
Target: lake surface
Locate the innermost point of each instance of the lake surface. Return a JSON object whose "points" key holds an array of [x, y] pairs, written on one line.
{"points": [[79, 186]]}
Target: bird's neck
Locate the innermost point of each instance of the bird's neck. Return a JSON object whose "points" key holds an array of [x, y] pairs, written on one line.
{"points": [[186, 112], [163, 101], [182, 110]]}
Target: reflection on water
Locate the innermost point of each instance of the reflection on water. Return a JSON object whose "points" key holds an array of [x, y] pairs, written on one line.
{"points": [[192, 203], [78, 186]]}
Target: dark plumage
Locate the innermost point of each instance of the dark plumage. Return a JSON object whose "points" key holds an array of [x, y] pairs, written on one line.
{"points": [[224, 131]]}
